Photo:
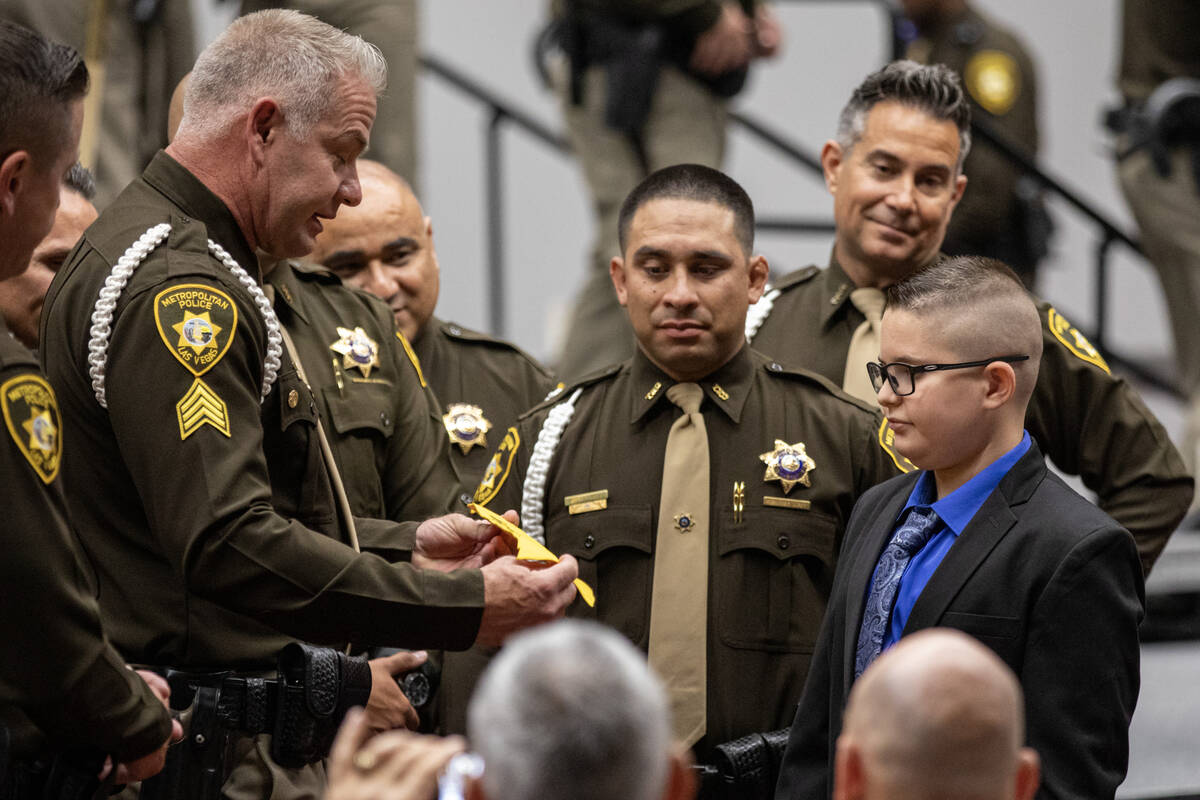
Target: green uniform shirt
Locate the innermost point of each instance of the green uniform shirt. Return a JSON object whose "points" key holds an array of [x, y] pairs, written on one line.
{"points": [[466, 368], [389, 447], [999, 80], [769, 571], [59, 680], [1087, 421], [209, 542]]}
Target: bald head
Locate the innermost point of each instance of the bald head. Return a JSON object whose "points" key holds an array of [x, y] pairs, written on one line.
{"points": [[936, 717], [384, 246]]}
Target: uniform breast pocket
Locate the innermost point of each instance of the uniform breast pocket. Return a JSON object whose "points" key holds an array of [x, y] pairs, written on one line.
{"points": [[613, 548], [360, 422], [773, 574]]}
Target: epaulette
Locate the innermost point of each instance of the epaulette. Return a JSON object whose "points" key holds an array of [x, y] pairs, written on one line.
{"points": [[563, 390], [13, 353], [778, 369], [310, 270], [457, 332], [797, 277]]}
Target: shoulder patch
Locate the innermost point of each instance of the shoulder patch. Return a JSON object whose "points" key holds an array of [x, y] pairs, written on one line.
{"points": [[197, 323], [887, 441], [498, 468], [31, 416], [412, 356], [1073, 340], [993, 80]]}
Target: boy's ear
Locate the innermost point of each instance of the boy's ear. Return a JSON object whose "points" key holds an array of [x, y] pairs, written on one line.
{"points": [[1001, 384]]}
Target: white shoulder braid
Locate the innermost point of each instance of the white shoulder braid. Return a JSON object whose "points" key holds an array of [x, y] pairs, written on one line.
{"points": [[758, 313], [116, 281], [533, 493]]}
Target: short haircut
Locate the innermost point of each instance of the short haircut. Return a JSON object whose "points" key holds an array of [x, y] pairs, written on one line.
{"points": [[571, 709], [79, 180], [692, 182], [934, 89], [982, 308], [39, 80], [293, 57]]}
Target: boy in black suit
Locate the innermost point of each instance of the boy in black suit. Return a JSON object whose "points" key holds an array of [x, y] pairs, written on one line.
{"points": [[983, 539]]}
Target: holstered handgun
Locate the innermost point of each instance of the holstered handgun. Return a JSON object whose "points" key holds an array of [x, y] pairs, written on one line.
{"points": [[196, 767]]}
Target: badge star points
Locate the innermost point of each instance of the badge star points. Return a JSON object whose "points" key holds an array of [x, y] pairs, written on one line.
{"points": [[789, 464], [358, 350], [466, 426], [197, 331], [41, 429]]}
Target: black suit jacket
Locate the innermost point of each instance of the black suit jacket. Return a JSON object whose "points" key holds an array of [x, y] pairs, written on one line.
{"points": [[1040, 575]]}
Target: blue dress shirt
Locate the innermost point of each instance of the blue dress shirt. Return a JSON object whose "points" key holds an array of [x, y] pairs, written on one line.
{"points": [[955, 511]]}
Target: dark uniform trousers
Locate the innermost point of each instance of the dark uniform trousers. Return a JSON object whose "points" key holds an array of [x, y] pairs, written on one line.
{"points": [[499, 381], [1088, 421], [214, 543], [62, 686], [771, 554]]}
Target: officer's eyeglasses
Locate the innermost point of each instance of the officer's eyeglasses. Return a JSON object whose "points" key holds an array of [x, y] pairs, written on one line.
{"points": [[903, 377]]}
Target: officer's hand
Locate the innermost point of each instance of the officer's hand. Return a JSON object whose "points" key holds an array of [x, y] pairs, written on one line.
{"points": [[391, 766], [518, 596], [152, 763], [387, 707], [768, 33], [727, 45], [456, 541]]}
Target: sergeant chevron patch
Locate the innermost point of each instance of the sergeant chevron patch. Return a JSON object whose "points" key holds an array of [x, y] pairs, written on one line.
{"points": [[199, 407]]}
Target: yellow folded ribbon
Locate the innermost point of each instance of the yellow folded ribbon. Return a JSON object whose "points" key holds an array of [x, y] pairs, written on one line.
{"points": [[528, 548]]}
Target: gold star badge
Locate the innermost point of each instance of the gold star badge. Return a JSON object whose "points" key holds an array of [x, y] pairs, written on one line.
{"points": [[357, 349], [789, 464], [466, 426], [197, 331], [43, 434]]}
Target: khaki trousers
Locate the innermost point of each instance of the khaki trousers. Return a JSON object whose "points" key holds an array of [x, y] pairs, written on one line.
{"points": [[686, 124]]}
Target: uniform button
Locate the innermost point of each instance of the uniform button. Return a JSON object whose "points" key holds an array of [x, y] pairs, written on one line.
{"points": [[383, 418], [465, 499], [457, 331], [783, 542], [293, 398], [589, 541], [774, 367]]}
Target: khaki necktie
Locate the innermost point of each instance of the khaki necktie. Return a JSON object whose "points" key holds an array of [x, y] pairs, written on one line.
{"points": [[864, 345], [679, 601]]}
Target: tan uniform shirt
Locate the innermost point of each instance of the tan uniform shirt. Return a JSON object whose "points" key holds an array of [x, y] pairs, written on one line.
{"points": [[1089, 422], [59, 679], [209, 544], [770, 565]]}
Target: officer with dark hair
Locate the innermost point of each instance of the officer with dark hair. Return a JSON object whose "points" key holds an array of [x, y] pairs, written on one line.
{"points": [[702, 487], [67, 701]]}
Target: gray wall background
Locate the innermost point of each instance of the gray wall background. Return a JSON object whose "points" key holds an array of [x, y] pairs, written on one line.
{"points": [[830, 45]]}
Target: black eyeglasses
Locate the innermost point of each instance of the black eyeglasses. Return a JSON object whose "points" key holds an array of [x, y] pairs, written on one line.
{"points": [[903, 377]]}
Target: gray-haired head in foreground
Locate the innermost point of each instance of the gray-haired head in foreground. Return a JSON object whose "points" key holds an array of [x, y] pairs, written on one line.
{"points": [[39, 79], [79, 179], [980, 308], [284, 54], [934, 89], [570, 709], [691, 182]]}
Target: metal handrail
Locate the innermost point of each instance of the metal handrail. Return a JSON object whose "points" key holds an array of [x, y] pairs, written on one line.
{"points": [[502, 113]]}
